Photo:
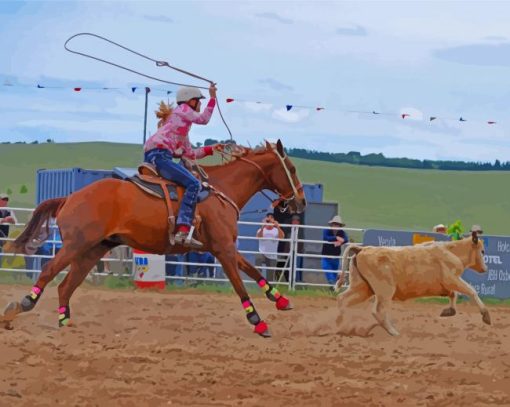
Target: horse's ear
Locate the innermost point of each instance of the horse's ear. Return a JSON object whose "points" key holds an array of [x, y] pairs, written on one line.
{"points": [[268, 145], [279, 148], [474, 237]]}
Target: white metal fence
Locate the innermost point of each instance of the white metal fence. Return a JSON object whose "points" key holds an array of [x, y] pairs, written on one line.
{"points": [[299, 258]]}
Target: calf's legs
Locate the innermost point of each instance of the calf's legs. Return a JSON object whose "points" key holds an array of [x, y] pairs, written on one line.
{"points": [[458, 284], [451, 310]]}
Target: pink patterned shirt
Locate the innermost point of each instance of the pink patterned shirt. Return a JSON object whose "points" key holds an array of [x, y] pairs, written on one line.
{"points": [[173, 135]]}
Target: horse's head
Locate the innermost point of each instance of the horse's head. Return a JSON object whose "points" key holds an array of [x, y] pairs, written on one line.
{"points": [[283, 177]]}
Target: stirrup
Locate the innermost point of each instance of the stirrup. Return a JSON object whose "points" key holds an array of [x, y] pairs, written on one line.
{"points": [[187, 240]]}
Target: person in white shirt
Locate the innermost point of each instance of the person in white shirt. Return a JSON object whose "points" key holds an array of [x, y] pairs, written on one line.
{"points": [[268, 245]]}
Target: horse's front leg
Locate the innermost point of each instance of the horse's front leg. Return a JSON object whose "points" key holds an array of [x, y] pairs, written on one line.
{"points": [[272, 293], [227, 258]]}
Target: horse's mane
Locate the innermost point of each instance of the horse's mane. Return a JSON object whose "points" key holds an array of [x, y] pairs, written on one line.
{"points": [[239, 151]]}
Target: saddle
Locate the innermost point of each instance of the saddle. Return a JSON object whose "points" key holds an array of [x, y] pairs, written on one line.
{"points": [[150, 181]]}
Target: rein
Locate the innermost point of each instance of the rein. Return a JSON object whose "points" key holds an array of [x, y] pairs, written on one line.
{"points": [[157, 62], [294, 188]]}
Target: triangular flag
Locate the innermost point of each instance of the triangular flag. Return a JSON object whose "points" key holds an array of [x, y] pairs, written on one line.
{"points": [[374, 112], [404, 115], [230, 100], [77, 89], [168, 92], [40, 87], [432, 118], [319, 108], [147, 89], [462, 120], [288, 107], [133, 89], [490, 122]]}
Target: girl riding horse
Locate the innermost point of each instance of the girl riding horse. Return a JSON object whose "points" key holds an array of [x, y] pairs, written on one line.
{"points": [[171, 141]]}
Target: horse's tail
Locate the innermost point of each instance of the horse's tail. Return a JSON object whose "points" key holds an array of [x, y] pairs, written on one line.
{"points": [[351, 247], [34, 229]]}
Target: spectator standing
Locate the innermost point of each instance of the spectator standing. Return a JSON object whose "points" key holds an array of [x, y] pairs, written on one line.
{"points": [[7, 218], [440, 228], [176, 270], [206, 269], [477, 229], [334, 238], [268, 245]]}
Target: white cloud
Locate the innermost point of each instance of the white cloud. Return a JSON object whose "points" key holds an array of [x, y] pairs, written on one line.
{"points": [[291, 116], [257, 107]]}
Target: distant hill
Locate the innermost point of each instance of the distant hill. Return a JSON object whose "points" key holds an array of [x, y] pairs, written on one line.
{"points": [[368, 196]]}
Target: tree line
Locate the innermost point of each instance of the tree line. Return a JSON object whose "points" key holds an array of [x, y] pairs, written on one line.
{"points": [[354, 157], [372, 159]]}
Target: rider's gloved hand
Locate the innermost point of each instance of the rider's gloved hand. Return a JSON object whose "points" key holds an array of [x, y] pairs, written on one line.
{"points": [[212, 91], [219, 147]]}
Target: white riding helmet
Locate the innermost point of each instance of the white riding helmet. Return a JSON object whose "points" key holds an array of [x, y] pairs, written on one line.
{"points": [[187, 92]]}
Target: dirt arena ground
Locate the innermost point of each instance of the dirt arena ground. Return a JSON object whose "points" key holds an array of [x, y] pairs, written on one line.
{"points": [[197, 349]]}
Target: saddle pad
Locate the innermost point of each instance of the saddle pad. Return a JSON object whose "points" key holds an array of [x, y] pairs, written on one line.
{"points": [[155, 188], [172, 189]]}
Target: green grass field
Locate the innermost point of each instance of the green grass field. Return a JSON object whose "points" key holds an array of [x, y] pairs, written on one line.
{"points": [[368, 196]]}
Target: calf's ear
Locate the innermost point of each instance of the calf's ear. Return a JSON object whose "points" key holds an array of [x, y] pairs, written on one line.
{"points": [[474, 236]]}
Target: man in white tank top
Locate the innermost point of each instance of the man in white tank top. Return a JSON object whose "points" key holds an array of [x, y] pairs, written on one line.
{"points": [[268, 245]]}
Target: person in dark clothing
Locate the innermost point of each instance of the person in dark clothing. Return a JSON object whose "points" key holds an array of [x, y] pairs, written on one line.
{"points": [[7, 218], [206, 269], [335, 238], [283, 217]]}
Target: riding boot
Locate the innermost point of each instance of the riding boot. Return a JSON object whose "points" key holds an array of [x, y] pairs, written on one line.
{"points": [[181, 237]]}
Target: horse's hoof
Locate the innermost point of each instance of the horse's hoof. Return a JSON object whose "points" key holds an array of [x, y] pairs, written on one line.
{"points": [[12, 309], [66, 323], [27, 304], [448, 312], [283, 304], [262, 329], [393, 332], [486, 317]]}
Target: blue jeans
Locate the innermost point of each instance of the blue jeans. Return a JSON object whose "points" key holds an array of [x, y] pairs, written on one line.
{"points": [[172, 171], [331, 264], [175, 269], [299, 273], [207, 258]]}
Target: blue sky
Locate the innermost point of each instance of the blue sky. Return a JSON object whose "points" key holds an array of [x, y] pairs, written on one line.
{"points": [[423, 58]]}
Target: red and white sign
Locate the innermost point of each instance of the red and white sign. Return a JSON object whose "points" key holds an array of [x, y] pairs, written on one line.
{"points": [[149, 270]]}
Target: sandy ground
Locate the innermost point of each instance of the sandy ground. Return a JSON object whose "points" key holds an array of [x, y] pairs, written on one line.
{"points": [[196, 349]]}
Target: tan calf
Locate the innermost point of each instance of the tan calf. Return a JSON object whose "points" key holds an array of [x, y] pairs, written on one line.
{"points": [[401, 273]]}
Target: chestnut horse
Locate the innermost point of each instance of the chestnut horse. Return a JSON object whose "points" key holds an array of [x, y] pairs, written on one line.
{"points": [[112, 212]]}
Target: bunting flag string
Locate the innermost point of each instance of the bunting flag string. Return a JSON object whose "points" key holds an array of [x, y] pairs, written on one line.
{"points": [[134, 89], [288, 107], [403, 115]]}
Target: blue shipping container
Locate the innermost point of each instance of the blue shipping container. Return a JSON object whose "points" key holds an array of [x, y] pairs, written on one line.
{"points": [[57, 183], [314, 192]]}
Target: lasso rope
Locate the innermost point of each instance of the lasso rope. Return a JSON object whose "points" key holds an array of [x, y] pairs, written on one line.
{"points": [[157, 62]]}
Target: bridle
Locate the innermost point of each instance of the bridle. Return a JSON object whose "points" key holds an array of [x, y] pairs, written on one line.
{"points": [[294, 189]]}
